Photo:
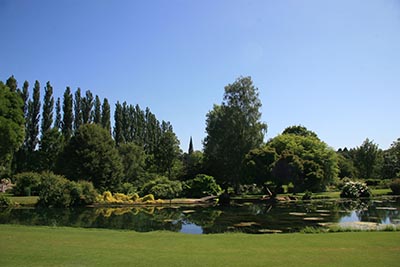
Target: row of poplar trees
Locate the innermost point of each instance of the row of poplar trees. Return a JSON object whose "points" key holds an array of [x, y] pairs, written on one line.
{"points": [[50, 125]]}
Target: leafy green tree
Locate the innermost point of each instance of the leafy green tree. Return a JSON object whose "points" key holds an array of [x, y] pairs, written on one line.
{"points": [[68, 117], [259, 164], [87, 106], [97, 110], [305, 161], [91, 155], [12, 83], [167, 150], [105, 115], [192, 164], [346, 164], [11, 127], [233, 129], [299, 130], [134, 163], [77, 109], [51, 146], [391, 161], [366, 158]]}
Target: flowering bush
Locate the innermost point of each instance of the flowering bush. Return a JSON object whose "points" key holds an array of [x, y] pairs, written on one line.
{"points": [[355, 190]]}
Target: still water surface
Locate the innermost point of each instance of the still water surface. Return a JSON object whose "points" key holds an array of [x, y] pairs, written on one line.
{"points": [[246, 217]]}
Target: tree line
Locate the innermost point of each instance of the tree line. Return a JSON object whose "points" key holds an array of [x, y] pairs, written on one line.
{"points": [[73, 137]]}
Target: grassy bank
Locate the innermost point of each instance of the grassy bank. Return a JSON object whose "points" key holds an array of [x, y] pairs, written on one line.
{"points": [[46, 246]]}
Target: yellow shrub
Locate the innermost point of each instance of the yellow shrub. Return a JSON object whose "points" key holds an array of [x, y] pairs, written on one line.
{"points": [[135, 197], [148, 198], [108, 197], [121, 197]]}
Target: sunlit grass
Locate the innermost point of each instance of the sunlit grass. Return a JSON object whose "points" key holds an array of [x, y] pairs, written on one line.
{"points": [[51, 246]]}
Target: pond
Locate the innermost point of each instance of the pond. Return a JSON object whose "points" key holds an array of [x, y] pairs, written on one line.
{"points": [[282, 217]]}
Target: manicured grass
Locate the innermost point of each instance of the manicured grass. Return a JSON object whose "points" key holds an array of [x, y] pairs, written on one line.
{"points": [[27, 201], [47, 246]]}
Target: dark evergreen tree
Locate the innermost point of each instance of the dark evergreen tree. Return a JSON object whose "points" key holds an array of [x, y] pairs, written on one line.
{"points": [[97, 110], [106, 115], [77, 109], [68, 117], [87, 106]]}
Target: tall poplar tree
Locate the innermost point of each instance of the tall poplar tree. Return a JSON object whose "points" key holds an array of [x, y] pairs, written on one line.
{"points": [[97, 110], [118, 134], [77, 109], [87, 106], [106, 116], [33, 118], [57, 122], [48, 106], [68, 116]]}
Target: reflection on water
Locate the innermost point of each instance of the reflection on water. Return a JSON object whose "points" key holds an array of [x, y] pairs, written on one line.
{"points": [[246, 217]]}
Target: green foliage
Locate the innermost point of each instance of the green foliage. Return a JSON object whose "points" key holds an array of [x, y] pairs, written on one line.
{"points": [[105, 115], [51, 146], [395, 186], [134, 162], [57, 191], [391, 161], [48, 105], [162, 187], [68, 117], [33, 118], [91, 155], [233, 129], [27, 184], [366, 158], [259, 164], [305, 161], [192, 164], [355, 190], [5, 201], [11, 127], [299, 130], [202, 185]]}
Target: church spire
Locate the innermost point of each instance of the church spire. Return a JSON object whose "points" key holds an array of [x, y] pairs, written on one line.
{"points": [[190, 146]]}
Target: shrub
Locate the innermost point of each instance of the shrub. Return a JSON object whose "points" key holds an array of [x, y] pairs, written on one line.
{"points": [[135, 197], [307, 195], [162, 187], [5, 201], [395, 186], [202, 185], [148, 198], [57, 191], [27, 184], [355, 190]]}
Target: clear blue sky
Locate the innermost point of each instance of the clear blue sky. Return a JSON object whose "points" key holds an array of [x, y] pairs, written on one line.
{"points": [[332, 66]]}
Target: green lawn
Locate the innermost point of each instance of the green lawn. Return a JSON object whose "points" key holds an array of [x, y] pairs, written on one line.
{"points": [[47, 246]]}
